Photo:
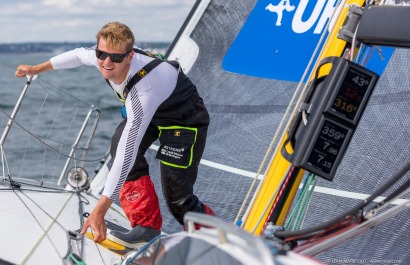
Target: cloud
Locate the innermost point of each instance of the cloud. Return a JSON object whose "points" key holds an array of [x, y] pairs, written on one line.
{"points": [[75, 20]]}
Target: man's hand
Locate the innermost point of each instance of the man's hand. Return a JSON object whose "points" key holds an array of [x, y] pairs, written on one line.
{"points": [[23, 70], [96, 220]]}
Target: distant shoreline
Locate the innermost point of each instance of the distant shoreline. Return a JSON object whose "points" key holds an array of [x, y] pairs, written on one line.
{"points": [[58, 47]]}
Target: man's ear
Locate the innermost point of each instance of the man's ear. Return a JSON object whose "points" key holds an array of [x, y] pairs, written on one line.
{"points": [[129, 57]]}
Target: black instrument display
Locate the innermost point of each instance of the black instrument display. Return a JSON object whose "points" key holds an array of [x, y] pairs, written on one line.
{"points": [[327, 150], [352, 94]]}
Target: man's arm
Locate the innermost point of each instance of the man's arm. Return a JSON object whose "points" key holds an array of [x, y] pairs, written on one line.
{"points": [[96, 219], [70, 59], [23, 70]]}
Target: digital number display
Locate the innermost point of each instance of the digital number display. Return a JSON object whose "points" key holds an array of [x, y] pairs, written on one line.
{"points": [[328, 148], [335, 105], [351, 93]]}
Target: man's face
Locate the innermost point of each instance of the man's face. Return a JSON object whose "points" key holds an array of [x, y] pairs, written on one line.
{"points": [[114, 71]]}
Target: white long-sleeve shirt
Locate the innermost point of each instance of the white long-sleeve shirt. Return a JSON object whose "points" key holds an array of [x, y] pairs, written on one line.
{"points": [[141, 104]]}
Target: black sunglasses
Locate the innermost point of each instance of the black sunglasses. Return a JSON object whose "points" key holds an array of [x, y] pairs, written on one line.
{"points": [[114, 57]]}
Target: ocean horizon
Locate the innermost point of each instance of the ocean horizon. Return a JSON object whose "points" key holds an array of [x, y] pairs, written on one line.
{"points": [[59, 47]]}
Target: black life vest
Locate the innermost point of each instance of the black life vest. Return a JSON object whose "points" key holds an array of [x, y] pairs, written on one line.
{"points": [[179, 104]]}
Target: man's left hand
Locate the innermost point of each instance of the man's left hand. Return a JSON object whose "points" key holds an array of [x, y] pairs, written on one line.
{"points": [[96, 220]]}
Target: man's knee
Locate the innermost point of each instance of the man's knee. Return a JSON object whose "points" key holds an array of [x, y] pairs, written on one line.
{"points": [[178, 192]]}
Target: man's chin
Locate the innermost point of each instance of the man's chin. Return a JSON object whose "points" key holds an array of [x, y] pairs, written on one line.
{"points": [[106, 75]]}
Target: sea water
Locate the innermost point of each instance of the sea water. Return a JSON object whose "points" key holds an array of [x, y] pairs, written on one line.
{"points": [[49, 119], [51, 114]]}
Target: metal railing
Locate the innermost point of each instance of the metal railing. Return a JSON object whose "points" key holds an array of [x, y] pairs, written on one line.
{"points": [[92, 118]]}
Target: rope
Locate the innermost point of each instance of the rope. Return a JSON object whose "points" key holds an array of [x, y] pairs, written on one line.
{"points": [[401, 191], [45, 230], [352, 212], [350, 233], [82, 200], [299, 210], [287, 117], [285, 184], [81, 214], [271, 200], [98, 249]]}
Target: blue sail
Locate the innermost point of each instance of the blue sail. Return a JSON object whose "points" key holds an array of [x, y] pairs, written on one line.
{"points": [[279, 38]]}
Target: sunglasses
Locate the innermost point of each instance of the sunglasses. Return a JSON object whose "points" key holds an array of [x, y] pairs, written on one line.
{"points": [[114, 57]]}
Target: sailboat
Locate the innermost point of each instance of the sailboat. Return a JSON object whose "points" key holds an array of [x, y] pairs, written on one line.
{"points": [[44, 208], [42, 212], [248, 75], [258, 71]]}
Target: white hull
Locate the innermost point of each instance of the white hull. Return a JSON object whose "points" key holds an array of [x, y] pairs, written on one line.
{"points": [[35, 225]]}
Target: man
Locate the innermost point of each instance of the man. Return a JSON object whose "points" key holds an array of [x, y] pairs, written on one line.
{"points": [[160, 102]]}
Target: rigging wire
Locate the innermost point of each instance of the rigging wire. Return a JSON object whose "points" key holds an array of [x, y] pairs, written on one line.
{"points": [[272, 198], [288, 116], [328, 234], [49, 146], [43, 140], [47, 136], [45, 230], [51, 85], [339, 223], [98, 249], [400, 191], [53, 219], [34, 190], [28, 139], [5, 165], [296, 217], [355, 211], [350, 233], [70, 234], [293, 170]]}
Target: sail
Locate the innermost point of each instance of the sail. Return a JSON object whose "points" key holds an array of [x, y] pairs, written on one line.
{"points": [[245, 110], [246, 58], [248, 84]]}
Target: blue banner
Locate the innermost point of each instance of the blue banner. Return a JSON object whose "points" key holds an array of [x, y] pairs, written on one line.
{"points": [[279, 37]]}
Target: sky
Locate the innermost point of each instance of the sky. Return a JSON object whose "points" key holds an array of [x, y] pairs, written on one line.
{"points": [[80, 20]]}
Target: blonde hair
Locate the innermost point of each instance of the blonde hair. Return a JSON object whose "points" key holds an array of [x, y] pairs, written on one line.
{"points": [[117, 34]]}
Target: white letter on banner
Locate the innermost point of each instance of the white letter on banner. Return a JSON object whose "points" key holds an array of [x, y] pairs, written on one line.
{"points": [[327, 13], [300, 26]]}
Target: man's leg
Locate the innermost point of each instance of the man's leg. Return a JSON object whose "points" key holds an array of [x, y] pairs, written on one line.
{"points": [[177, 183], [138, 198]]}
